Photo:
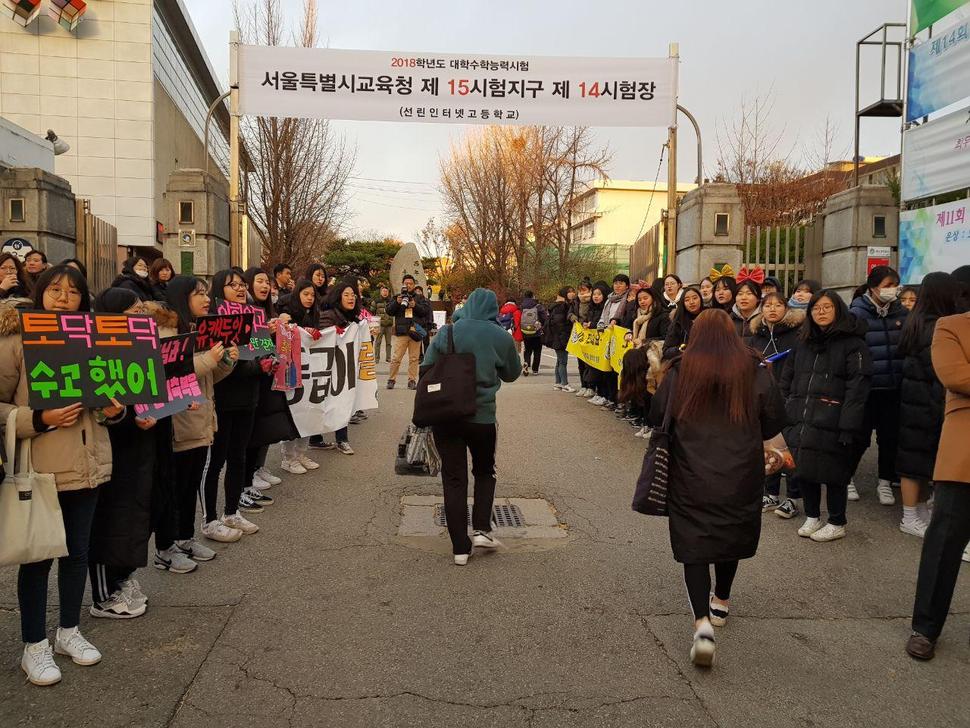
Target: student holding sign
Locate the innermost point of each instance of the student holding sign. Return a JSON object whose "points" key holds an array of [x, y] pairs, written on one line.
{"points": [[140, 475], [273, 422], [236, 399], [70, 442], [193, 432]]}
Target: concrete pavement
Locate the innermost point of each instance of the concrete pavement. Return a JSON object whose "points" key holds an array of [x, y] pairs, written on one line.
{"points": [[328, 618]]}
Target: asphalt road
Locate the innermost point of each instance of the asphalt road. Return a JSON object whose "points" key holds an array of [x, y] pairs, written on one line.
{"points": [[327, 618]]}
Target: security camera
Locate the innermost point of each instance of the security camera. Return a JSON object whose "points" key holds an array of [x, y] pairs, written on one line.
{"points": [[60, 146]]}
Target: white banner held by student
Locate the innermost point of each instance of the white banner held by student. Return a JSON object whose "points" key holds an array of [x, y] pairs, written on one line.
{"points": [[456, 88]]}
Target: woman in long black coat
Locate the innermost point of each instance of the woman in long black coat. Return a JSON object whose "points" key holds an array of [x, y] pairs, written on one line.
{"points": [[825, 382], [724, 404], [556, 337], [122, 522], [922, 397], [689, 307], [134, 277]]}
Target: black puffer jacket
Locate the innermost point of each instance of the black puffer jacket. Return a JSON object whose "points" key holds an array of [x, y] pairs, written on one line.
{"points": [[678, 332], [273, 421], [769, 339], [882, 338], [558, 326], [825, 382], [420, 313], [922, 398], [138, 285]]}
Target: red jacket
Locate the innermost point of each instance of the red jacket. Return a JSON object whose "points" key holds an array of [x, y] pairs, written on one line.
{"points": [[516, 319]]}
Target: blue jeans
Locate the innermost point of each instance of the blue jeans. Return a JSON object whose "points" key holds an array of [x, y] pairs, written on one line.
{"points": [[562, 357]]}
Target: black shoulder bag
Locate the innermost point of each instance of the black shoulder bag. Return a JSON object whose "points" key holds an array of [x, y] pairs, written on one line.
{"points": [[446, 391], [650, 497]]}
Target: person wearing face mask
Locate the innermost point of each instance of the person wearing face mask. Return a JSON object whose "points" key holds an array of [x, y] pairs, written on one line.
{"points": [[803, 293], [134, 277], [876, 303]]}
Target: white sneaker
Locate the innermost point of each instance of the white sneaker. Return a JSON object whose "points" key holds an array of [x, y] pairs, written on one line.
{"points": [[597, 400], [195, 550], [567, 388], [174, 559], [308, 463], [851, 492], [557, 386], [885, 492], [267, 476], [485, 540], [916, 527], [71, 642], [461, 559], [641, 432], [237, 522], [218, 531], [810, 526], [828, 532], [259, 483], [702, 651], [133, 589], [38, 663], [966, 554], [293, 466], [118, 606], [582, 392]]}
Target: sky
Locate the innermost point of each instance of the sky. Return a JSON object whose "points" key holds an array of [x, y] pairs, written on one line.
{"points": [[802, 53]]}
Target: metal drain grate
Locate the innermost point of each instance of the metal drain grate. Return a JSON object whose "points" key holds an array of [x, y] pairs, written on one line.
{"points": [[503, 516]]}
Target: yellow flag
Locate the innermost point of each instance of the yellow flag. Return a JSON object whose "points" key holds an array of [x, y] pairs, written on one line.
{"points": [[589, 345]]}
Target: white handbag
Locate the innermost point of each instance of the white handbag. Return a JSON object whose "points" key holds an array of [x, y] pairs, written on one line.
{"points": [[31, 522]]}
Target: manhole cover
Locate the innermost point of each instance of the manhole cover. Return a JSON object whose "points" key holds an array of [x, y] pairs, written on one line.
{"points": [[503, 516]]}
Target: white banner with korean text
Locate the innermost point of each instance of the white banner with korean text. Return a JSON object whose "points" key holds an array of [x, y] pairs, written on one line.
{"points": [[932, 239], [456, 88], [936, 156], [338, 378]]}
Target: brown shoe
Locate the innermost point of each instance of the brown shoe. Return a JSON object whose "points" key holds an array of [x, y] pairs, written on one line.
{"points": [[920, 647]]}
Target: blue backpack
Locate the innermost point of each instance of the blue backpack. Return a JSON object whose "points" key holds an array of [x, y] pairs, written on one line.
{"points": [[507, 320]]}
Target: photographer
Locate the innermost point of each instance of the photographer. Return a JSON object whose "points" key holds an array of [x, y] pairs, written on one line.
{"points": [[407, 310]]}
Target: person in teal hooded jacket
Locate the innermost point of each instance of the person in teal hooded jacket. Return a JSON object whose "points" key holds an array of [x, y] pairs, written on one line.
{"points": [[478, 332]]}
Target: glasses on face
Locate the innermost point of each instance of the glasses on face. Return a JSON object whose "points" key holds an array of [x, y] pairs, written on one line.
{"points": [[236, 286], [8, 269], [56, 293], [823, 308]]}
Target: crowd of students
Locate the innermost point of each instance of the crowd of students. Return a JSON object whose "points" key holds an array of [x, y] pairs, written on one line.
{"points": [[123, 477], [846, 371]]}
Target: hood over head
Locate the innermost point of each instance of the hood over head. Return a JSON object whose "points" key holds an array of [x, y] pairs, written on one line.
{"points": [[482, 305]]}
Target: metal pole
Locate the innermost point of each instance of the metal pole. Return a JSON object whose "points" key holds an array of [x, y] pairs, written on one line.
{"points": [[208, 118], [700, 149], [671, 241], [235, 249], [855, 156]]}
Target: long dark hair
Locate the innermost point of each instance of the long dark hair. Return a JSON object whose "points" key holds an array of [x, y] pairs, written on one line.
{"points": [[21, 277], [939, 295], [177, 294], [681, 314], [333, 298], [844, 322], [633, 384], [717, 372], [221, 279], [249, 276], [62, 271], [321, 290]]}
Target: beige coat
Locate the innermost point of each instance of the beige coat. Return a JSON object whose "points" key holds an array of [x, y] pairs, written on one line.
{"points": [[951, 361], [197, 428], [79, 456]]}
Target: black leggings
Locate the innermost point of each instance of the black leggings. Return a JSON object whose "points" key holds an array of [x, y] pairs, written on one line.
{"points": [[697, 577], [228, 448]]}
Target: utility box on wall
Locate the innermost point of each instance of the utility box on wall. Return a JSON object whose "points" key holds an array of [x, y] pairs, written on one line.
{"points": [[196, 222]]}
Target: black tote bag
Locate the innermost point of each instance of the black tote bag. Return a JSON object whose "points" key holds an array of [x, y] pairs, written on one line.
{"points": [[446, 391], [650, 496]]}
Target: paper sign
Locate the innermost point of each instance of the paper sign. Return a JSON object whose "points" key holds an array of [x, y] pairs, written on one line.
{"points": [[261, 341], [181, 383], [233, 329]]}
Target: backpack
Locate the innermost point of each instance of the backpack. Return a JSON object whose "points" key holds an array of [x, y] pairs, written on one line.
{"points": [[530, 324], [507, 320]]}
